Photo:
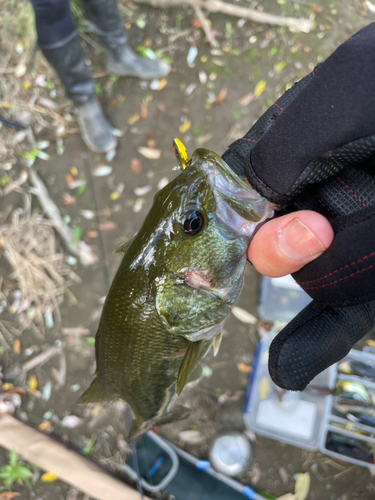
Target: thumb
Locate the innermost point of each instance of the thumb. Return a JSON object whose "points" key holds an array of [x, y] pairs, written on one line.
{"points": [[315, 339], [285, 244]]}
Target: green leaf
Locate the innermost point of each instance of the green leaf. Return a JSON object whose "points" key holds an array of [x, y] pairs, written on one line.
{"points": [[89, 446], [280, 66], [77, 235], [24, 473], [80, 190], [98, 89], [113, 78], [13, 458], [90, 340], [236, 113]]}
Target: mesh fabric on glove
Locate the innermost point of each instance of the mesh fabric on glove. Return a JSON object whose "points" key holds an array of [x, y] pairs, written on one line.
{"points": [[314, 149]]}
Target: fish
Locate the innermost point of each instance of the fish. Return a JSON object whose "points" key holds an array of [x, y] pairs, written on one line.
{"points": [[174, 289]]}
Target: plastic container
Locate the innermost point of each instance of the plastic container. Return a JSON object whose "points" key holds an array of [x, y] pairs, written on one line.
{"points": [[304, 419], [333, 422], [298, 418], [281, 299]]}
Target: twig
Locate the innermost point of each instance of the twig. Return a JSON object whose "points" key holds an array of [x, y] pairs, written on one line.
{"points": [[292, 23], [85, 254], [41, 358], [206, 27]]}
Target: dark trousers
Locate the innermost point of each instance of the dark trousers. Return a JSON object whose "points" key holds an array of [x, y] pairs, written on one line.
{"points": [[54, 23]]}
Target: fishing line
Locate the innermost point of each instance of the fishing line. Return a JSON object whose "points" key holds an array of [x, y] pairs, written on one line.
{"points": [[104, 260]]}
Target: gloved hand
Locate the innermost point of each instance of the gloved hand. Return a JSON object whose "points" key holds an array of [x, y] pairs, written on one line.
{"points": [[314, 149]]}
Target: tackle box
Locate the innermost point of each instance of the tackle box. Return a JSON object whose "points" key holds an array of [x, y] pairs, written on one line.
{"points": [[305, 419]]}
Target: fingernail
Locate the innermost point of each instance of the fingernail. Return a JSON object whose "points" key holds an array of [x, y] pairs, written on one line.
{"points": [[298, 242]]}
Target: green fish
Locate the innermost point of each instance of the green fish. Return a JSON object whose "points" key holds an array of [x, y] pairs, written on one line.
{"points": [[174, 288]]}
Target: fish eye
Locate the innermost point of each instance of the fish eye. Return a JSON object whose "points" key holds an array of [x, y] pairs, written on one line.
{"points": [[193, 223]]}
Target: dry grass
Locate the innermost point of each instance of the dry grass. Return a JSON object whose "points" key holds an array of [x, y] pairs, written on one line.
{"points": [[29, 245]]}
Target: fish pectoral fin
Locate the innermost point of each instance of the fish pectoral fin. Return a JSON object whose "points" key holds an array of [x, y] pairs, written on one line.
{"points": [[140, 426], [217, 342], [124, 247], [96, 393], [193, 352]]}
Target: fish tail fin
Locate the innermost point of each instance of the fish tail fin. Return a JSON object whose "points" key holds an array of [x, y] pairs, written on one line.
{"points": [[96, 393], [140, 426]]}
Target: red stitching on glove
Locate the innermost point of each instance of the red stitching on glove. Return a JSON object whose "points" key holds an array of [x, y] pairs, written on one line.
{"points": [[274, 104], [262, 183], [338, 270], [250, 140], [341, 279], [353, 193]]}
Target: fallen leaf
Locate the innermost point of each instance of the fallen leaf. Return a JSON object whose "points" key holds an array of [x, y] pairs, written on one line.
{"points": [[151, 143], [184, 127], [192, 54], [136, 166], [69, 179], [162, 183], [151, 153], [259, 88], [133, 119], [190, 88], [20, 70], [46, 103], [244, 316], [141, 191], [302, 486], [246, 99], [45, 425], [162, 83], [17, 346], [144, 110], [48, 477], [114, 196], [264, 388], [191, 437], [71, 421], [7, 495], [221, 96], [32, 383], [243, 368], [73, 170], [102, 171], [202, 77], [92, 234], [107, 225], [26, 86], [68, 199]]}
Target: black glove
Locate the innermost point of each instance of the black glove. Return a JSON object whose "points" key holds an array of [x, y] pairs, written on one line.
{"points": [[316, 151]]}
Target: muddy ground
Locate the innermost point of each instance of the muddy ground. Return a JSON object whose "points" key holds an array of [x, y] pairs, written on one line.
{"points": [[249, 53]]}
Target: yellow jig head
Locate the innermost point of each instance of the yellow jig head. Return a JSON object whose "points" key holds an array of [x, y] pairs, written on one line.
{"points": [[180, 153]]}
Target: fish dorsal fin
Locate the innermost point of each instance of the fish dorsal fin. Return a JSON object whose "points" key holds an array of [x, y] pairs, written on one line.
{"points": [[188, 364], [124, 247], [217, 342], [96, 393]]}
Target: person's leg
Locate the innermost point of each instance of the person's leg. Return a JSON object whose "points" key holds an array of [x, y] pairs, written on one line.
{"points": [[105, 20], [60, 44]]}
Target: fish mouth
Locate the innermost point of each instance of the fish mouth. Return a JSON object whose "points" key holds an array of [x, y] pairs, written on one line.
{"points": [[238, 206]]}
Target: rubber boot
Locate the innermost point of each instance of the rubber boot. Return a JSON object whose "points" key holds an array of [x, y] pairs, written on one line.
{"points": [[68, 60], [105, 21]]}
